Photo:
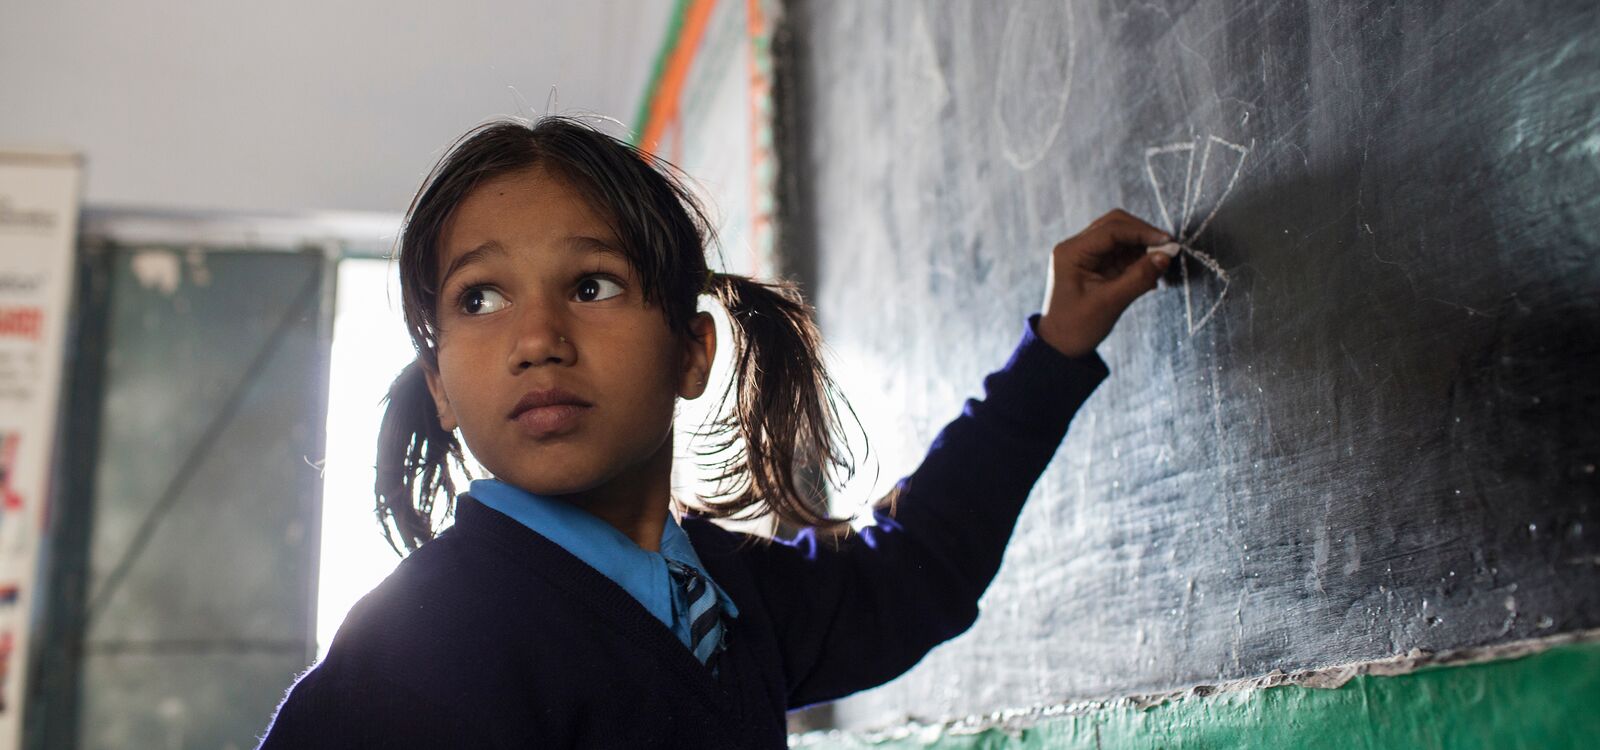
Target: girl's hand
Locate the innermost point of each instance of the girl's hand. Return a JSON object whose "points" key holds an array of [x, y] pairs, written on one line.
{"points": [[1094, 276]]}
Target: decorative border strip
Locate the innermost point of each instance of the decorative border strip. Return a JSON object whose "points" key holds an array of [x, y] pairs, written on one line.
{"points": [[659, 106]]}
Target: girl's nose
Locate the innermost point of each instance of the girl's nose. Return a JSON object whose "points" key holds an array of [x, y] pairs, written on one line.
{"points": [[540, 341]]}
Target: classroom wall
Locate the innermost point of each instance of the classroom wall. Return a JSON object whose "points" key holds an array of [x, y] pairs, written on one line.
{"points": [[300, 105]]}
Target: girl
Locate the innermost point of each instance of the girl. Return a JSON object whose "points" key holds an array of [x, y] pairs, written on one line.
{"points": [[550, 277]]}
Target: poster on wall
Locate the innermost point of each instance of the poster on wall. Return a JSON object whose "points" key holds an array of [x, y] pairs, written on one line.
{"points": [[38, 224]]}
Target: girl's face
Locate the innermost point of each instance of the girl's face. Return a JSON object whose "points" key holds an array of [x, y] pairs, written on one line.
{"points": [[524, 261]]}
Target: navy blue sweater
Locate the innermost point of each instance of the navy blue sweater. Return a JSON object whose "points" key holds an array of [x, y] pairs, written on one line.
{"points": [[491, 636]]}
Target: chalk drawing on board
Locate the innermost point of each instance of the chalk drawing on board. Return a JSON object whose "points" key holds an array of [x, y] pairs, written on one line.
{"points": [[1183, 177], [1034, 79], [920, 89]]}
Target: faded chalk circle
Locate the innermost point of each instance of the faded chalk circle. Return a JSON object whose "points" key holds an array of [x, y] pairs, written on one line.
{"points": [[1034, 80]]}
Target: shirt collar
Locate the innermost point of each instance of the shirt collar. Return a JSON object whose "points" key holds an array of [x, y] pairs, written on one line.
{"points": [[675, 545], [639, 571]]}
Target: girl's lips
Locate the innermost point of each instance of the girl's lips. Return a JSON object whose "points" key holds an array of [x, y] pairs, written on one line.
{"points": [[551, 420]]}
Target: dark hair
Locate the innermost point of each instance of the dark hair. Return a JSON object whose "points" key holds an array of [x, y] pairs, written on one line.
{"points": [[783, 421]]}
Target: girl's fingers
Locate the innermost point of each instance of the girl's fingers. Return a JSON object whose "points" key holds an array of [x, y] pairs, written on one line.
{"points": [[1117, 215], [1139, 278], [1101, 240], [1114, 214], [1131, 231]]}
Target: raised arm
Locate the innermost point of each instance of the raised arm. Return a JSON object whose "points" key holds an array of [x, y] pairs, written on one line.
{"points": [[856, 612]]}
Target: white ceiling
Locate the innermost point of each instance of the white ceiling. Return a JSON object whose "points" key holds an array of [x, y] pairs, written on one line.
{"points": [[300, 105]]}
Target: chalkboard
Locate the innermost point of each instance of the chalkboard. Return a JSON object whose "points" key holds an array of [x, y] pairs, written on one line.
{"points": [[1361, 416]]}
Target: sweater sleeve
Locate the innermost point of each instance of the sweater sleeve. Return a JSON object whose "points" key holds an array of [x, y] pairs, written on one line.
{"points": [[856, 612]]}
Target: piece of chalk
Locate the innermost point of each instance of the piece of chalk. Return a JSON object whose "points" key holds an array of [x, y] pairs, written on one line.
{"points": [[1170, 249]]}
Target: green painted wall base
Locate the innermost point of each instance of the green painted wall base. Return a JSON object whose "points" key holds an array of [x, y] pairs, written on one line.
{"points": [[1550, 699]]}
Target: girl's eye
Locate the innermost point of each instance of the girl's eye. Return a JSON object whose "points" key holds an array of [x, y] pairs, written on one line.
{"points": [[593, 285], [481, 300]]}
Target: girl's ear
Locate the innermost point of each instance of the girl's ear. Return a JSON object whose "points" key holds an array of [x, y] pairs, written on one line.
{"points": [[698, 354], [447, 418]]}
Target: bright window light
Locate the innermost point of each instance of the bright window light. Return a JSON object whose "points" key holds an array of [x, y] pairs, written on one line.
{"points": [[370, 346]]}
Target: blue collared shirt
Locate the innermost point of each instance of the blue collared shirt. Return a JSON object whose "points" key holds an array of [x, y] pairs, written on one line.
{"points": [[637, 570]]}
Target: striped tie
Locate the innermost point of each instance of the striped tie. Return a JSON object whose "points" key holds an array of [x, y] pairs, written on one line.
{"points": [[705, 622]]}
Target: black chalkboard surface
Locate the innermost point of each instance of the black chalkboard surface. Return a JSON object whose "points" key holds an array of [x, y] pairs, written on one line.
{"points": [[1361, 416]]}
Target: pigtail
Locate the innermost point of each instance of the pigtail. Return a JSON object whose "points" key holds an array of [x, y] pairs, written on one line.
{"points": [[784, 415], [414, 452]]}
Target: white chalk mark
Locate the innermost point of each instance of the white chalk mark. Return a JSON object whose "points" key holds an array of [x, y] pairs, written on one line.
{"points": [[1161, 205], [1188, 191], [1216, 400], [1188, 299], [1207, 261], [1193, 184], [1189, 205], [1210, 263], [1233, 178], [1156, 183], [1188, 307]]}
